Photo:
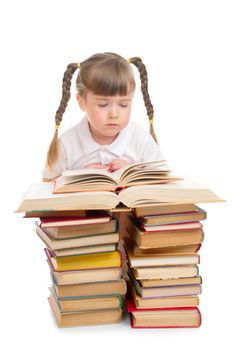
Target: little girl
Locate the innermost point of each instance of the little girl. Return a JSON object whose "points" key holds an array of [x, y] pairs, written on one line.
{"points": [[105, 137]]}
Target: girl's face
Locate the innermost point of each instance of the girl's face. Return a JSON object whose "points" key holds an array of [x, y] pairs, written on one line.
{"points": [[107, 115]]}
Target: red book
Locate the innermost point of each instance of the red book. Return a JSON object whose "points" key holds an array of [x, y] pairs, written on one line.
{"points": [[185, 317], [76, 220]]}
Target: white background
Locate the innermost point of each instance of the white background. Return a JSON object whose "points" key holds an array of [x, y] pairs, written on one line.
{"points": [[186, 46]]}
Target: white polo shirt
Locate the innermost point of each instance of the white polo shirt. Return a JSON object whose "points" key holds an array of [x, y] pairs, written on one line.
{"points": [[78, 148]]}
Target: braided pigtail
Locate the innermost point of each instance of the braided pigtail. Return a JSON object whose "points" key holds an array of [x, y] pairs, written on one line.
{"points": [[66, 85], [144, 87]]}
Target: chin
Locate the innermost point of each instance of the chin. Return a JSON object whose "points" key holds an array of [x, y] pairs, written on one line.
{"points": [[112, 131]]}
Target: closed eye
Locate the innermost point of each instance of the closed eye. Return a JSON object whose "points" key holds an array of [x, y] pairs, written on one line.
{"points": [[102, 105]]}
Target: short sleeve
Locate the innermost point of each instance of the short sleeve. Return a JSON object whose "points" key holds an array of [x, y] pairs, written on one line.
{"points": [[59, 166], [151, 150]]}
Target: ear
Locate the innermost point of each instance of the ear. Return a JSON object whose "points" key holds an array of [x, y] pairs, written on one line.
{"points": [[81, 101]]}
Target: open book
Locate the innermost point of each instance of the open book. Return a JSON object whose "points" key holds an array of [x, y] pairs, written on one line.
{"points": [[40, 197], [101, 180]]}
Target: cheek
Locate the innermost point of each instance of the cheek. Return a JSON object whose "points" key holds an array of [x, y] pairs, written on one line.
{"points": [[95, 116], [127, 115]]}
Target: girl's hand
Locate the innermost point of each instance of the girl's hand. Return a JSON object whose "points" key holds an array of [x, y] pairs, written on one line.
{"points": [[117, 164], [98, 166]]}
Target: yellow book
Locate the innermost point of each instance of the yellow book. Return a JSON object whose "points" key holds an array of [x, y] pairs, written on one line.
{"points": [[87, 261]]}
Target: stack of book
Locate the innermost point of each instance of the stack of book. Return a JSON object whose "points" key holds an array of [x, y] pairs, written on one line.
{"points": [[162, 250], [85, 266], [162, 246]]}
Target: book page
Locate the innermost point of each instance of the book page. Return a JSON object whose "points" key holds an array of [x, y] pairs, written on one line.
{"points": [[181, 191], [116, 175], [40, 197]]}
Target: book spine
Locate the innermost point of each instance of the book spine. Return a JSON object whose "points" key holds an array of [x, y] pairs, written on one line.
{"points": [[120, 301], [116, 225]]}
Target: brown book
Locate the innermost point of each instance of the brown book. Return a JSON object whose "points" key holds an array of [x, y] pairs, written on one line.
{"points": [[158, 260], [165, 272], [171, 282], [87, 303], [163, 208], [164, 291], [63, 232], [178, 318], [91, 289], [160, 239], [90, 304], [163, 317], [171, 218], [179, 249], [56, 244], [83, 318], [168, 302], [85, 276], [86, 250]]}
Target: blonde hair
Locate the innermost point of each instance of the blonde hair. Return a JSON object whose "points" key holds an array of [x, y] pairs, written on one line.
{"points": [[105, 74]]}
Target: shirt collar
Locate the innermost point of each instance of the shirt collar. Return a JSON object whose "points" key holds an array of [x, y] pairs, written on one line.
{"points": [[117, 147]]}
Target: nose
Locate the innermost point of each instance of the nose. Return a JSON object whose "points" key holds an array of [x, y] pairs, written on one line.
{"points": [[113, 112]]}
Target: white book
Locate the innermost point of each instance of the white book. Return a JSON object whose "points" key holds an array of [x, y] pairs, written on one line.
{"points": [[40, 196]]}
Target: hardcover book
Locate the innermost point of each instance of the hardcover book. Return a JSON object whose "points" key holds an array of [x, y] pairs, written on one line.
{"points": [[167, 302], [85, 262], [163, 238], [185, 317], [40, 197], [159, 260], [84, 276], [91, 289], [77, 242], [83, 318], [172, 218], [72, 231]]}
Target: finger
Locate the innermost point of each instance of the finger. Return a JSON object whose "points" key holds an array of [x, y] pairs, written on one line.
{"points": [[115, 167]]}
